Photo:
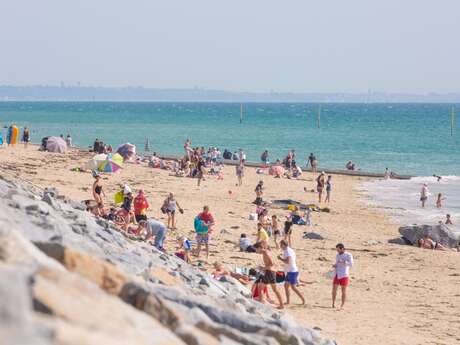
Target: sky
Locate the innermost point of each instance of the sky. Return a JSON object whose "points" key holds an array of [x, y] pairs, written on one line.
{"points": [[240, 45]]}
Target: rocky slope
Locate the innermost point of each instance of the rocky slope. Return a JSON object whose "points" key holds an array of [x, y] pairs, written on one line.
{"points": [[67, 278]]}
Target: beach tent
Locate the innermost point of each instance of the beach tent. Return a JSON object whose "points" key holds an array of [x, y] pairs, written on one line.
{"points": [[93, 163], [113, 163], [127, 151], [56, 144]]}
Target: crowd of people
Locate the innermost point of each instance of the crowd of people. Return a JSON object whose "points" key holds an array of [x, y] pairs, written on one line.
{"points": [[129, 214]]}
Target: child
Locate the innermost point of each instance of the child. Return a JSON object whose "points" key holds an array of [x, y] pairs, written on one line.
{"points": [[276, 230], [262, 236], [448, 220], [308, 216], [245, 244], [288, 230], [186, 246]]}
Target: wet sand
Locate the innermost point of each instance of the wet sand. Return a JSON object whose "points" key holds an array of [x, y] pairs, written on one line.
{"points": [[398, 294]]}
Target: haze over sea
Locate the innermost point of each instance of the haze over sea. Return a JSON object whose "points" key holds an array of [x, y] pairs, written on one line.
{"points": [[410, 139]]}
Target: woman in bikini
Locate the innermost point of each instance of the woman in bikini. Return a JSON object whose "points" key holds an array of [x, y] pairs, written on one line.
{"points": [[98, 192]]}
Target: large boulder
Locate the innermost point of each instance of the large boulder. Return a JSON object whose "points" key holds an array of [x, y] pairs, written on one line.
{"points": [[440, 233]]}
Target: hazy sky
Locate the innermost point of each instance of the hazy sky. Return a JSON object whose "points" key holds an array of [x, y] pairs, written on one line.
{"points": [[249, 45]]}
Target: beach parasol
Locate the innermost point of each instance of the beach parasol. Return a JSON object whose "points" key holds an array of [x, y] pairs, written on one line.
{"points": [[93, 163], [127, 151], [56, 144], [112, 164]]}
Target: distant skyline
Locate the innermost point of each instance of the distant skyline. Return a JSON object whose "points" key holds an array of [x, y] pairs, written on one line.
{"points": [[300, 46], [141, 94]]}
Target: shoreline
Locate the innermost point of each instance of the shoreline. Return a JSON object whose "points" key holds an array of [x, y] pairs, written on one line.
{"points": [[252, 164]]}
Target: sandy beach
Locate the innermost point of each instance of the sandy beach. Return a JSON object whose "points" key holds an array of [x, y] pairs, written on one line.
{"points": [[398, 294]]}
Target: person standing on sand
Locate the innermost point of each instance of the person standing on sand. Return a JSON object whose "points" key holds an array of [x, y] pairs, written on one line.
{"points": [[188, 150], [68, 141], [291, 271], [259, 190], [26, 137], [387, 174], [97, 189], [343, 262], [140, 206], [203, 227], [239, 169], [320, 186], [328, 189], [200, 171], [170, 204], [269, 276], [424, 194]]}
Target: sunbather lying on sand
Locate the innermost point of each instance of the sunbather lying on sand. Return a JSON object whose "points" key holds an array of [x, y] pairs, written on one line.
{"points": [[428, 243]]}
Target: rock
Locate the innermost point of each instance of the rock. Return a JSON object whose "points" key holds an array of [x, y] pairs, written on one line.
{"points": [[104, 274], [439, 233], [85, 305], [17, 324], [204, 281], [312, 236], [400, 241], [15, 249], [165, 277]]}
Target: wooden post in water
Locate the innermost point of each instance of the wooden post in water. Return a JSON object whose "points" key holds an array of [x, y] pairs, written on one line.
{"points": [[319, 116], [241, 113], [452, 121]]}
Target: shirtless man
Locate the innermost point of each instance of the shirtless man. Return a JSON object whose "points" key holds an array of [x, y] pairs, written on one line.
{"points": [[269, 276]]}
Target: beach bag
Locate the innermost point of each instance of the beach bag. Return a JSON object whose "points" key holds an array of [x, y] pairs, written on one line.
{"points": [[118, 197], [253, 216]]}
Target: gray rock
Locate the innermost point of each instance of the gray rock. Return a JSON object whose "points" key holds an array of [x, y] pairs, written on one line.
{"points": [[205, 282], [17, 324], [439, 233]]}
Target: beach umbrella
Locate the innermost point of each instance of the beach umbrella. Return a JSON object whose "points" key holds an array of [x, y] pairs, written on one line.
{"points": [[127, 151], [93, 163], [56, 144], [112, 164]]}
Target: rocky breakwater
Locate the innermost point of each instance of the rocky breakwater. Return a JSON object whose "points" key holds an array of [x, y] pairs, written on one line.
{"points": [[68, 278], [440, 233]]}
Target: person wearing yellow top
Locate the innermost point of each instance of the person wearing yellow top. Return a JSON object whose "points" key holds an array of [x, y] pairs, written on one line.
{"points": [[262, 235]]}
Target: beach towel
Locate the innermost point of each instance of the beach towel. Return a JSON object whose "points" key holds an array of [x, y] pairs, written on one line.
{"points": [[200, 228]]}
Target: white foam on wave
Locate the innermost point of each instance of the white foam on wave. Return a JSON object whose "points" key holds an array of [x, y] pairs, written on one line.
{"points": [[401, 199]]}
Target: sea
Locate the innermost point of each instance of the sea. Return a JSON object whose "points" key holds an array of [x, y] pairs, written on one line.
{"points": [[413, 139]]}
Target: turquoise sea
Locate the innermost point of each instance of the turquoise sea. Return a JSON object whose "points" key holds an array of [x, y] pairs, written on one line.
{"points": [[408, 138]]}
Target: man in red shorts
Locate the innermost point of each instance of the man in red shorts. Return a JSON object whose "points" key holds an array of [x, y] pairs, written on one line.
{"points": [[343, 262]]}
